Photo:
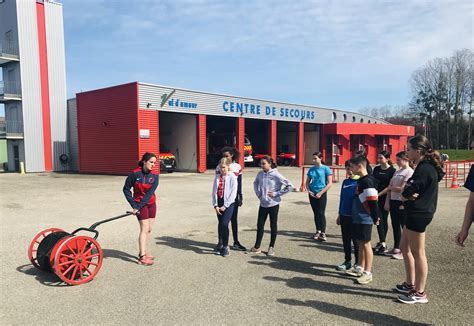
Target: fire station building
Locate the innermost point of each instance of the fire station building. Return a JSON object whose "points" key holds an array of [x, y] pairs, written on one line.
{"points": [[116, 125]]}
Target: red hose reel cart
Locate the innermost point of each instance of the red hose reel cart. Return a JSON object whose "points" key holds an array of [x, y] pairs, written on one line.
{"points": [[75, 259]]}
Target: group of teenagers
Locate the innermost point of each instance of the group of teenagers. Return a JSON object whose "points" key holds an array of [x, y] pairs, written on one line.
{"points": [[409, 194]]}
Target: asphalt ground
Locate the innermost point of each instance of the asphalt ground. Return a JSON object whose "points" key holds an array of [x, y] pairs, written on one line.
{"points": [[190, 285]]}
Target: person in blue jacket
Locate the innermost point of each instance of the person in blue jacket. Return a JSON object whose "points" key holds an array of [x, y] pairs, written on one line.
{"points": [[144, 182], [344, 219]]}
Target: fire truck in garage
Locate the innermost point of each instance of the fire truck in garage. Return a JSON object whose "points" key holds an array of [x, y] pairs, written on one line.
{"points": [[217, 141]]}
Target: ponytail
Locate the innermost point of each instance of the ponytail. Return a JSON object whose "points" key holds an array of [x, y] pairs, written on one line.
{"points": [[404, 156], [386, 154], [270, 161], [428, 153]]}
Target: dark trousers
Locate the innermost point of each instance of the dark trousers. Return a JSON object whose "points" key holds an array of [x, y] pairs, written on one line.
{"points": [[223, 226], [263, 213], [347, 230], [382, 228], [235, 225], [319, 210], [397, 214]]}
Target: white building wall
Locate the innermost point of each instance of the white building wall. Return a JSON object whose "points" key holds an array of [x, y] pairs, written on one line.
{"points": [[57, 81], [197, 102], [30, 85]]}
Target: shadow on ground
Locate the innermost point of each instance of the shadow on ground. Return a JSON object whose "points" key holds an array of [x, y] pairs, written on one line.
{"points": [[45, 278], [112, 253], [48, 278], [199, 247], [359, 315], [309, 283]]}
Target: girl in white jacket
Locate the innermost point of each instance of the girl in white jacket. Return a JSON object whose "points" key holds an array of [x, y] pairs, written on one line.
{"points": [[224, 191]]}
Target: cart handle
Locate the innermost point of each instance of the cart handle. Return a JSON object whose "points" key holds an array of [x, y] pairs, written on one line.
{"points": [[92, 228]]}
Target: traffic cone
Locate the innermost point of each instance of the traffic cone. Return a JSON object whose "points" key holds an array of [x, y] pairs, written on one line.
{"points": [[455, 184]]}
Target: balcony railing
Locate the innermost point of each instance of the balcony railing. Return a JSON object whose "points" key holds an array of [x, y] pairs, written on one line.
{"points": [[11, 128], [10, 89], [8, 49]]}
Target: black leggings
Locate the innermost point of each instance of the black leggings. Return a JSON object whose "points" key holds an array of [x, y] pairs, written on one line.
{"points": [[398, 221], [223, 225], [382, 228], [319, 208], [235, 225], [347, 230], [263, 213]]}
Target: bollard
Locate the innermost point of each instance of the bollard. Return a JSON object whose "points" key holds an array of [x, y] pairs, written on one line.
{"points": [[22, 168]]}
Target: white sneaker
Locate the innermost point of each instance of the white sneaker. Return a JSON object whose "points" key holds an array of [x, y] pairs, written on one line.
{"points": [[365, 278]]}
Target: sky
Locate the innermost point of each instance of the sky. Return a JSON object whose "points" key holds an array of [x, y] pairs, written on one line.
{"points": [[337, 54]]}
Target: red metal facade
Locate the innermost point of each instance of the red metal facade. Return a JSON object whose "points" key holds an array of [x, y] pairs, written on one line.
{"points": [[300, 144], [273, 139], [108, 130], [43, 61], [240, 135], [346, 138], [201, 143], [148, 120]]}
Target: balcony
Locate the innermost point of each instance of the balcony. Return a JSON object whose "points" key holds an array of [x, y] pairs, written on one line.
{"points": [[10, 91], [11, 129], [8, 52]]}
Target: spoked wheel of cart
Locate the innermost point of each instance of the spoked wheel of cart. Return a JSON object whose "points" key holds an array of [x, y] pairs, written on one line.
{"points": [[77, 259], [33, 249]]}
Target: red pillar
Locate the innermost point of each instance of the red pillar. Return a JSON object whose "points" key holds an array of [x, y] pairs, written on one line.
{"points": [[272, 140], [240, 133], [201, 143], [300, 144], [44, 87]]}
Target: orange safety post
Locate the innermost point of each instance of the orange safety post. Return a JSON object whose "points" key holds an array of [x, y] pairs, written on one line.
{"points": [[454, 183]]}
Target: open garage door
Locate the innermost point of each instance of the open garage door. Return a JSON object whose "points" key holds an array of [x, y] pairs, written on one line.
{"points": [[220, 132], [311, 141], [178, 141], [286, 143], [258, 134]]}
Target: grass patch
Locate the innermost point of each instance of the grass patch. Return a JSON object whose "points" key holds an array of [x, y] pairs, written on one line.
{"points": [[459, 155]]}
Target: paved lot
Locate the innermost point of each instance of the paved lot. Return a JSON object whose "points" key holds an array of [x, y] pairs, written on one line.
{"points": [[189, 285]]}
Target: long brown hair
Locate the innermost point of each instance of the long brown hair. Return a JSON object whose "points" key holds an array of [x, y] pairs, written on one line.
{"points": [[427, 152]]}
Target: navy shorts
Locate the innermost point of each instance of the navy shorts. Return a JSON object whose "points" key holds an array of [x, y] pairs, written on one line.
{"points": [[363, 232]]}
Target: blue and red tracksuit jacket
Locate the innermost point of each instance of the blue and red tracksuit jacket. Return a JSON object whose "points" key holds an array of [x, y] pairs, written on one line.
{"points": [[144, 186]]}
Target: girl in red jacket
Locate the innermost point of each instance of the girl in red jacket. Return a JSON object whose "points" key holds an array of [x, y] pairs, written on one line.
{"points": [[144, 182]]}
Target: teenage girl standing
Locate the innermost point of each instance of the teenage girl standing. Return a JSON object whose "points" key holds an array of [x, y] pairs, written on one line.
{"points": [[383, 173], [421, 193], [224, 191], [144, 182], [236, 169], [394, 202], [269, 186], [318, 182]]}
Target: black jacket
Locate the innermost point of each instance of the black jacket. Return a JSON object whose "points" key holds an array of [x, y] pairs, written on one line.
{"points": [[423, 182]]}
